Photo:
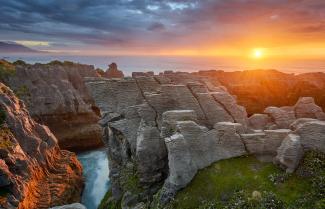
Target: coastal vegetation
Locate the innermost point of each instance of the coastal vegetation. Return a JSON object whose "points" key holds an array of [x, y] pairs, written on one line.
{"points": [[246, 183], [6, 70]]}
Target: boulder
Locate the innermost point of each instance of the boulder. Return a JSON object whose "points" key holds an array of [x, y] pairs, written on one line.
{"points": [[289, 153], [306, 108], [282, 117], [264, 143], [312, 135], [299, 122], [259, 121]]}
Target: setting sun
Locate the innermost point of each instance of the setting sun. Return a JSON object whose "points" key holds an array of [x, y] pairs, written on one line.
{"points": [[258, 53]]}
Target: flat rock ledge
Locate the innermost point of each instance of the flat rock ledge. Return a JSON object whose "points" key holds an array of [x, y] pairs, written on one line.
{"points": [[167, 128]]}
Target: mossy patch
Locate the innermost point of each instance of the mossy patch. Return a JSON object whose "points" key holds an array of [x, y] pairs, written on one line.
{"points": [[109, 203], [129, 179], [5, 136], [6, 70], [232, 182]]}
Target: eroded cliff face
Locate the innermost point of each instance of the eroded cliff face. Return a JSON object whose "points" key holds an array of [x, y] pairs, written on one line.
{"points": [[55, 95], [258, 89], [160, 130], [34, 172]]}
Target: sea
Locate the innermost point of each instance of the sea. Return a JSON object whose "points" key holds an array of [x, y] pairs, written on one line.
{"points": [[129, 64]]}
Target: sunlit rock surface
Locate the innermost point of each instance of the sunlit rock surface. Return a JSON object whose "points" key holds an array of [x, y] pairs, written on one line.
{"points": [[35, 172]]}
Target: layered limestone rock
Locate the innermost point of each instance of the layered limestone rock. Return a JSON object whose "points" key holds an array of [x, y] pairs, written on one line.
{"points": [[55, 95], [34, 172], [71, 206], [165, 128], [141, 115], [193, 147], [283, 117]]}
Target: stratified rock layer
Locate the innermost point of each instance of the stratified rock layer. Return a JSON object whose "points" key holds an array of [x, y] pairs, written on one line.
{"points": [[34, 172], [55, 95], [167, 127]]}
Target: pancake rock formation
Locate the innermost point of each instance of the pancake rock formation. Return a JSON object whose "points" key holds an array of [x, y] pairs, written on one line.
{"points": [[34, 171], [162, 129], [55, 95]]}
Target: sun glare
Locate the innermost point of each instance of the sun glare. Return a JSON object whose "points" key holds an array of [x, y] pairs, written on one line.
{"points": [[258, 53]]}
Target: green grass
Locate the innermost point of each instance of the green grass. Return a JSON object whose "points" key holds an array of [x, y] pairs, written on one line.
{"points": [[219, 182]]}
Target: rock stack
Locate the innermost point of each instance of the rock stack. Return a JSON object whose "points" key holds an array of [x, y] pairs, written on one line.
{"points": [[113, 72], [34, 171], [167, 127]]}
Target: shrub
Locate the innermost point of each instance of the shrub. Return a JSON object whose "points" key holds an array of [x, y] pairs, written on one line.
{"points": [[312, 164], [22, 91], [278, 178], [2, 117], [5, 136], [6, 70], [267, 200], [19, 62]]}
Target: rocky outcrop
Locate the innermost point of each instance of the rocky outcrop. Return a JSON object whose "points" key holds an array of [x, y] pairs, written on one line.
{"points": [[71, 206], [55, 95], [34, 171], [165, 128], [193, 147], [149, 124], [113, 72], [284, 117]]}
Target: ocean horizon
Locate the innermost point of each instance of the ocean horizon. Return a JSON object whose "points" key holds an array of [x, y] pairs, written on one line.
{"points": [[129, 64]]}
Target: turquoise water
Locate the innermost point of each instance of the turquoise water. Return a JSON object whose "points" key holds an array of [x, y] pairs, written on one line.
{"points": [[95, 172], [158, 64]]}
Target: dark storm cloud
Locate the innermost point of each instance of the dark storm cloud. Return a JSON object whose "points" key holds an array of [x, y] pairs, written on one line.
{"points": [[127, 22]]}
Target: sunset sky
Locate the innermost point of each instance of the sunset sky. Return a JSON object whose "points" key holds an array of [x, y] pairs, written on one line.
{"points": [[274, 28]]}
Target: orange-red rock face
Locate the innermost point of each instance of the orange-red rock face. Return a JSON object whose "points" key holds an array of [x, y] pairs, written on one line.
{"points": [[258, 89], [34, 172]]}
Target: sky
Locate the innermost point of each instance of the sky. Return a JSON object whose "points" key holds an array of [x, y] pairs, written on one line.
{"points": [[274, 28]]}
